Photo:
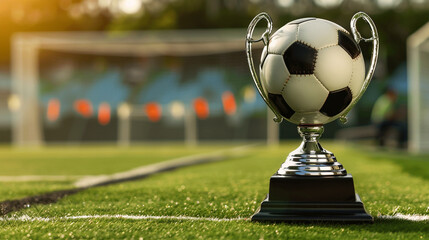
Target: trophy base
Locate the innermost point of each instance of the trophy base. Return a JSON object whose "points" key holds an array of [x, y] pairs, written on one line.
{"points": [[307, 199]]}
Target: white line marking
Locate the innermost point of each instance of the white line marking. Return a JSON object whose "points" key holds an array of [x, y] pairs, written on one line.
{"points": [[90, 180], [408, 217], [162, 166], [26, 218]]}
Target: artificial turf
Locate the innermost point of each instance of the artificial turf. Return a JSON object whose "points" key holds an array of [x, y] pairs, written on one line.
{"points": [[73, 162], [17, 190], [89, 160], [234, 189]]}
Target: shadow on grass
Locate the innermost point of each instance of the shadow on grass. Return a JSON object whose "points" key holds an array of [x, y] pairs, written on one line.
{"points": [[9, 206]]}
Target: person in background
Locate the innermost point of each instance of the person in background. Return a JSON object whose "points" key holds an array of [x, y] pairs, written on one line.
{"points": [[387, 115]]}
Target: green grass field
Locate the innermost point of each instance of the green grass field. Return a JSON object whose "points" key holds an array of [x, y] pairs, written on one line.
{"points": [[74, 162], [388, 183]]}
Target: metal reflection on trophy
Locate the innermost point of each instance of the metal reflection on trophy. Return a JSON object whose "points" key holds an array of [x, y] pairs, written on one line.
{"points": [[312, 72]]}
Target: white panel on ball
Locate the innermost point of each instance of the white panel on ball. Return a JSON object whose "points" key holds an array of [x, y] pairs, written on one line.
{"points": [[304, 93], [358, 76], [333, 67], [313, 117], [338, 27], [327, 34], [282, 39], [274, 73]]}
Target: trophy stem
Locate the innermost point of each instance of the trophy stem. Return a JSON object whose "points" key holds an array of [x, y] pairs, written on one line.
{"points": [[310, 159]]}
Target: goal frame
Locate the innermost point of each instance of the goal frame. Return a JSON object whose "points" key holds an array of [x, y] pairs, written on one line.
{"points": [[26, 116], [418, 61]]}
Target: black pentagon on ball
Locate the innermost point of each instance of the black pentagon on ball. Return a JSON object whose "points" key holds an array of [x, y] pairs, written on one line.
{"points": [[300, 58], [280, 105], [301, 20], [336, 102], [348, 44]]}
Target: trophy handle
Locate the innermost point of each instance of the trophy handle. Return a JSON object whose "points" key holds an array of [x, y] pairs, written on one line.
{"points": [[375, 44], [264, 38]]}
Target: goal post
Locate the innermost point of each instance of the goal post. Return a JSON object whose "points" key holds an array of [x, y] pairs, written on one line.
{"points": [[418, 90], [24, 100]]}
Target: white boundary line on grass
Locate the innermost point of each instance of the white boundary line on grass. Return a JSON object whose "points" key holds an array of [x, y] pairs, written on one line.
{"points": [[90, 180], [409, 217], [26, 218], [163, 166]]}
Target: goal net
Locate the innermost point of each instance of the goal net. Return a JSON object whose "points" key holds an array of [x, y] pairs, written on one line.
{"points": [[139, 86]]}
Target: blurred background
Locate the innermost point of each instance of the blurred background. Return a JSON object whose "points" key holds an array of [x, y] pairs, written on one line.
{"points": [[75, 71]]}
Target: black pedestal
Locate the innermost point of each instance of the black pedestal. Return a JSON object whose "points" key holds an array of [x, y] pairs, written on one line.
{"points": [[298, 198]]}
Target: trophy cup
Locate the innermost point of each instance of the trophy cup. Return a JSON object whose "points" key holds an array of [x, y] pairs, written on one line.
{"points": [[312, 72]]}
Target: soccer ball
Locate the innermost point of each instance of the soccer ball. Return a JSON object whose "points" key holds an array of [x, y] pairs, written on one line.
{"points": [[311, 71]]}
